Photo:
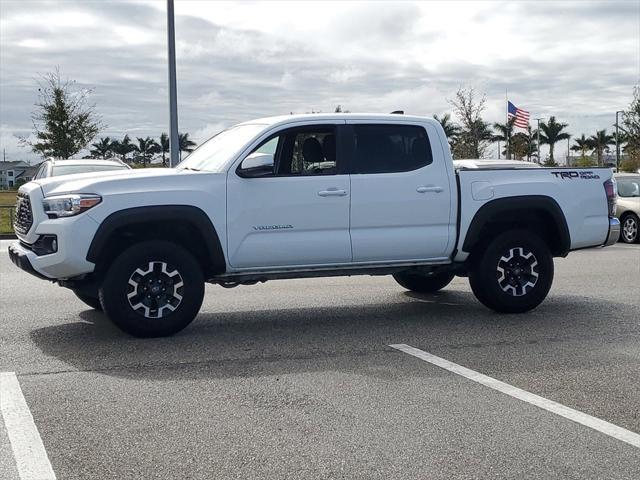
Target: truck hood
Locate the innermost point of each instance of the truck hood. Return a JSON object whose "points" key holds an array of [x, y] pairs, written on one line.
{"points": [[109, 181]]}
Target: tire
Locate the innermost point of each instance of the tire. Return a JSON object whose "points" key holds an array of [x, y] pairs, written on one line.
{"points": [[630, 228], [514, 272], [423, 283], [147, 269], [93, 302]]}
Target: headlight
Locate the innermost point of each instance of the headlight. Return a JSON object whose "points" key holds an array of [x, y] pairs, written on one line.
{"points": [[69, 205]]}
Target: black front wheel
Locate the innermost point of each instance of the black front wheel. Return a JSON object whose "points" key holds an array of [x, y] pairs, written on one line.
{"points": [[514, 272], [153, 289]]}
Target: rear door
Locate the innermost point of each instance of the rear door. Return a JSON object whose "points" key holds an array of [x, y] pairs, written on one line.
{"points": [[400, 196], [296, 212]]}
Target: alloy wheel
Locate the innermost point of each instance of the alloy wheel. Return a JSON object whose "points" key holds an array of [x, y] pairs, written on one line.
{"points": [[517, 271], [155, 290]]}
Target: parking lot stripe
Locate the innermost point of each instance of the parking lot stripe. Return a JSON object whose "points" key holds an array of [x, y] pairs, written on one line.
{"points": [[602, 426], [31, 458]]}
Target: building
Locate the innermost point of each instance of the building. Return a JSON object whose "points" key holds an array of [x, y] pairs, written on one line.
{"points": [[12, 173]]}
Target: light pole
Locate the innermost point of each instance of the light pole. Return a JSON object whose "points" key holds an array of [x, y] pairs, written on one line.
{"points": [[174, 143], [538, 135], [498, 149], [568, 150], [618, 141]]}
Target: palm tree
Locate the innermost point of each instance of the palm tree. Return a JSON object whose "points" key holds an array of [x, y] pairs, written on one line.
{"points": [[186, 145], [551, 133], [472, 143], [600, 142], [164, 147], [102, 148], [451, 130], [505, 131], [146, 148], [581, 145], [123, 147], [523, 144]]}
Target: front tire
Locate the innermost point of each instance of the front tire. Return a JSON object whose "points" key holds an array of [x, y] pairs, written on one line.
{"points": [[153, 289], [629, 231], [514, 272], [422, 282]]}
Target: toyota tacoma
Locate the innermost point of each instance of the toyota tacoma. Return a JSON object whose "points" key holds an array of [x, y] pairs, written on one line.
{"points": [[308, 196]]}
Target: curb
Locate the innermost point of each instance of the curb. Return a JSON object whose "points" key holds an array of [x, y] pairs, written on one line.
{"points": [[8, 236]]}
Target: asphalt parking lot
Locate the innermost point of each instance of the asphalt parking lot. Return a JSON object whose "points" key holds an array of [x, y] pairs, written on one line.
{"points": [[296, 379]]}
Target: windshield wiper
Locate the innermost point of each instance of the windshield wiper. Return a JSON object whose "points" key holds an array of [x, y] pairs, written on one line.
{"points": [[192, 169]]}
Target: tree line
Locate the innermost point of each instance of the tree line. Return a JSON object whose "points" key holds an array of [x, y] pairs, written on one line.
{"points": [[141, 152], [65, 123], [471, 136]]}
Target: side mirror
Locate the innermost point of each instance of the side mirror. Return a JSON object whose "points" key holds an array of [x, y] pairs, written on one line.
{"points": [[256, 165]]}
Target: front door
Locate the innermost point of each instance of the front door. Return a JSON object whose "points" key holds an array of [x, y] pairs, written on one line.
{"points": [[288, 202]]}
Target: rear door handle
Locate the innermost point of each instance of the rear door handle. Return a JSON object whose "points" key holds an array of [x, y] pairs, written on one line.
{"points": [[332, 192], [429, 188]]}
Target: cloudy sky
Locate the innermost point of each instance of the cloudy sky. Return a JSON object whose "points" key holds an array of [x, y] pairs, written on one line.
{"points": [[241, 60]]}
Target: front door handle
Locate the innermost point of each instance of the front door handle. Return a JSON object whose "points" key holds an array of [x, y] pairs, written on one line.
{"points": [[332, 192], [429, 188]]}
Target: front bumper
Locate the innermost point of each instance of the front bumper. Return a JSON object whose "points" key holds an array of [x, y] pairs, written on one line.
{"points": [[614, 232], [20, 258]]}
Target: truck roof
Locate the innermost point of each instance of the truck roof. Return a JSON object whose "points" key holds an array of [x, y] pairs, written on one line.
{"points": [[284, 119]]}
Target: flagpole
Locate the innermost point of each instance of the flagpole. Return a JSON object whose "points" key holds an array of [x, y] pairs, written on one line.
{"points": [[506, 124]]}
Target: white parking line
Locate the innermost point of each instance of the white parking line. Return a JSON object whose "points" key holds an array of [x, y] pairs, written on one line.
{"points": [[607, 428], [31, 458]]}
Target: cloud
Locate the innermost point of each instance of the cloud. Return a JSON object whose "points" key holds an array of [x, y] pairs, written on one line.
{"points": [[237, 61]]}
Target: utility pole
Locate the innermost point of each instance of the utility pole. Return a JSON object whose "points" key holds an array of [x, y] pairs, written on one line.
{"points": [[498, 149], [618, 141], [174, 143], [568, 150], [538, 134]]}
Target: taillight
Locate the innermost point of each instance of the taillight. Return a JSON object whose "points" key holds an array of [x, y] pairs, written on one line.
{"points": [[611, 188]]}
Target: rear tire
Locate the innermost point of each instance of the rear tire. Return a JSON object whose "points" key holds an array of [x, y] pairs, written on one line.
{"points": [[514, 272], [93, 302], [423, 282], [630, 228], [153, 289]]}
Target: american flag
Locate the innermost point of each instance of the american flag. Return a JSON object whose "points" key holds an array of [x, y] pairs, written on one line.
{"points": [[521, 116]]}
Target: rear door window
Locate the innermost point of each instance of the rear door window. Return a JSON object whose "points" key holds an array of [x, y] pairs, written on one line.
{"points": [[390, 148]]}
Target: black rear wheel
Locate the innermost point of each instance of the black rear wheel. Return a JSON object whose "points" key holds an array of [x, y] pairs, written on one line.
{"points": [[153, 289], [424, 282], [514, 272]]}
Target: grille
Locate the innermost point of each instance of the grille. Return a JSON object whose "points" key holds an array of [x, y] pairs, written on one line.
{"points": [[24, 218]]}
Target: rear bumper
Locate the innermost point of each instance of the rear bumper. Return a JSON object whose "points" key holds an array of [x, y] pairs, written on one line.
{"points": [[614, 231], [20, 258]]}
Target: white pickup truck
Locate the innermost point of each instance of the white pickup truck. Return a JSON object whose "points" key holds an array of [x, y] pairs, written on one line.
{"points": [[308, 196]]}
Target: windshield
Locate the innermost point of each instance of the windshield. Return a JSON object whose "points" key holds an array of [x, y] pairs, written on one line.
{"points": [[217, 151], [628, 186]]}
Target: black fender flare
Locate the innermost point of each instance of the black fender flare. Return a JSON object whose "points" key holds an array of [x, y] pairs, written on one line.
{"points": [[501, 206], [160, 213]]}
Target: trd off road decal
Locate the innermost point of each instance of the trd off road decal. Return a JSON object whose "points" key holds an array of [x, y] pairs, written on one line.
{"points": [[571, 174]]}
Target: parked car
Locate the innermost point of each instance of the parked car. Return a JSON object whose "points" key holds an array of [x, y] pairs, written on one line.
{"points": [[308, 196], [475, 163], [628, 209], [54, 168]]}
